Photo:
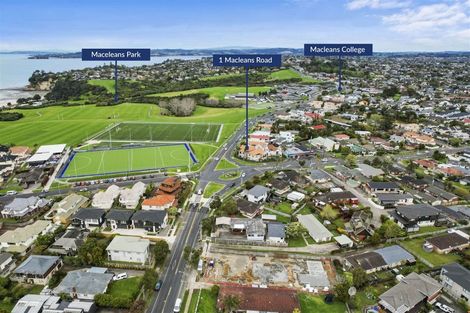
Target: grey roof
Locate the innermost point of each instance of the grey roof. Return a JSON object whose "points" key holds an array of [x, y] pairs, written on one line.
{"points": [[417, 210], [156, 216], [119, 215], [458, 274], [37, 264], [247, 206], [276, 230], [19, 204], [255, 226], [411, 290], [258, 191], [316, 229], [128, 244], [5, 256], [89, 283], [317, 174], [383, 185], [395, 254], [393, 196], [438, 192], [368, 170], [90, 213]]}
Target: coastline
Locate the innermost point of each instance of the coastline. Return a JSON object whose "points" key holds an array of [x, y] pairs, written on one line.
{"points": [[14, 93]]}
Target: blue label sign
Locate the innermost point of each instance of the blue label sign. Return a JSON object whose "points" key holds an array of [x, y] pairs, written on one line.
{"points": [[250, 60], [100, 54], [344, 49]]}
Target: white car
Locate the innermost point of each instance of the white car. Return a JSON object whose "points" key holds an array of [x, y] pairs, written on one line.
{"points": [[120, 276], [243, 174], [11, 192], [444, 307]]}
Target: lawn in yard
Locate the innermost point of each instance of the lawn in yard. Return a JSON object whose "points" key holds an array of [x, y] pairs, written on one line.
{"points": [[207, 301], [72, 125], [316, 304], [429, 229], [213, 92], [212, 188], [126, 288], [296, 242], [368, 297], [224, 164], [284, 207], [415, 246]]}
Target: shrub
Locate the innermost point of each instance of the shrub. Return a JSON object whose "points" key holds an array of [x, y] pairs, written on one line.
{"points": [[110, 301]]}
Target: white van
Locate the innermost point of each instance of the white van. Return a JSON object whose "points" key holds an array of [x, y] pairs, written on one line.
{"points": [[120, 276], [177, 305]]}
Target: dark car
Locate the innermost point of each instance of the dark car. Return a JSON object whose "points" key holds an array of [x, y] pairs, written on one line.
{"points": [[158, 286]]}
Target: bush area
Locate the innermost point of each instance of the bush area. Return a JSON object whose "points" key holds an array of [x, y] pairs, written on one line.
{"points": [[10, 116]]}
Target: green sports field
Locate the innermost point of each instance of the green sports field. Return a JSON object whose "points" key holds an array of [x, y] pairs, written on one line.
{"points": [[161, 132], [94, 163], [213, 92]]}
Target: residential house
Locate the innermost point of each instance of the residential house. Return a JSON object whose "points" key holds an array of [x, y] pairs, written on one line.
{"points": [[382, 187], [295, 178], [315, 228], [257, 194], [52, 304], [369, 171], [20, 207], [453, 240], [37, 269], [83, 284], [129, 249], [380, 259], [417, 139], [21, 239], [89, 218], [67, 207], [20, 151], [324, 144], [249, 209], [151, 221], [255, 229], [410, 294], [276, 232], [279, 186], [119, 219], [69, 243], [295, 196], [338, 198], [359, 226], [170, 186], [319, 177], [105, 199], [392, 200], [130, 198], [412, 217], [344, 241], [159, 202], [456, 281], [446, 197]]}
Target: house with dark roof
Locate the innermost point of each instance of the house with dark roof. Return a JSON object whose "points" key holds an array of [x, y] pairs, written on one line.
{"points": [[359, 226], [380, 259], [119, 219], [419, 184], [296, 179], [381, 187], [69, 243], [276, 232], [456, 281], [412, 217], [6, 263], [454, 240], [410, 294], [392, 200], [446, 197], [338, 198], [37, 269], [279, 186], [249, 209], [89, 218], [151, 221], [319, 177]]}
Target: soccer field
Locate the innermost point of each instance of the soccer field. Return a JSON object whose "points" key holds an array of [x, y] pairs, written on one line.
{"points": [[133, 132], [103, 162]]}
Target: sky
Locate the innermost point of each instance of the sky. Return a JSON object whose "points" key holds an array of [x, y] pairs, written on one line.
{"points": [[391, 25]]}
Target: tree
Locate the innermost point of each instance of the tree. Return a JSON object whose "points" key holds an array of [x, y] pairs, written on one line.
{"points": [[186, 252], [328, 212], [438, 156], [295, 230], [342, 291], [137, 307], [359, 277], [296, 310], [172, 211], [92, 252], [149, 279], [302, 163], [351, 160], [375, 238], [206, 224], [230, 207], [231, 303], [215, 203], [390, 229], [161, 250], [195, 256]]}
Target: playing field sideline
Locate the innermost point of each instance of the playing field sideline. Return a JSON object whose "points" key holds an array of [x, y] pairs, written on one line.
{"points": [[133, 132], [103, 162]]}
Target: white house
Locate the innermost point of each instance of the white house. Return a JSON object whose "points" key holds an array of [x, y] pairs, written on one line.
{"points": [[276, 232], [295, 196], [257, 194], [105, 199], [130, 197], [316, 230], [324, 143], [456, 281], [20, 239], [287, 136], [128, 249]]}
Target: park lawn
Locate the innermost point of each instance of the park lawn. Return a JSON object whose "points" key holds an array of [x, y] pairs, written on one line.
{"points": [[72, 125], [106, 83], [212, 188], [415, 246], [216, 77], [296, 242], [126, 288], [224, 164], [316, 304], [207, 301], [289, 74], [202, 152], [213, 92], [91, 163]]}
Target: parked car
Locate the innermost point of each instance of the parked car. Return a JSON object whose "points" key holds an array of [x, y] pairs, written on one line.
{"points": [[177, 307], [11, 192], [444, 308], [120, 276], [158, 286]]}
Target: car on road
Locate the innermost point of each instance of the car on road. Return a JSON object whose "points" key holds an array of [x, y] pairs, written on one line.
{"points": [[83, 189], [158, 286], [243, 174], [199, 192], [444, 308], [120, 276], [11, 192], [177, 307]]}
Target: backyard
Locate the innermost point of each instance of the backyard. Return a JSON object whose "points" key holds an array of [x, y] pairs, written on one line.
{"points": [[415, 246]]}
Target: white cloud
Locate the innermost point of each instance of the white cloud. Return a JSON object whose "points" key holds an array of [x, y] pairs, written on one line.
{"points": [[377, 4]]}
